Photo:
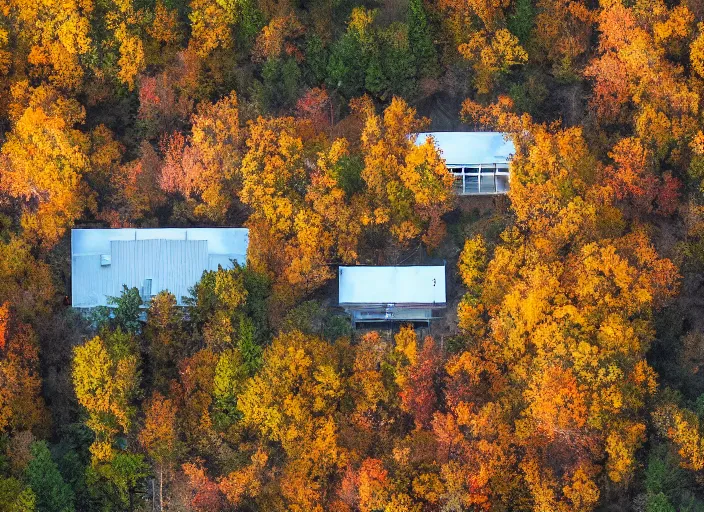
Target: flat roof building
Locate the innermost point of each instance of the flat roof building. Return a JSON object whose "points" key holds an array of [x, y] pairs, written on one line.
{"points": [[152, 260], [479, 161], [392, 294]]}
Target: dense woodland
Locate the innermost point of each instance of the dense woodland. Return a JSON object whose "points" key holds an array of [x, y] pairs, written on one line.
{"points": [[568, 371]]}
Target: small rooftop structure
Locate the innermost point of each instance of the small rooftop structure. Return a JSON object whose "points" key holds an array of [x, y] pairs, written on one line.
{"points": [[479, 161], [392, 294], [152, 260]]}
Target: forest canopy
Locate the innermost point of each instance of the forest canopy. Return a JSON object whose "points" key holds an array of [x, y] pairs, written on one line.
{"points": [[565, 372]]}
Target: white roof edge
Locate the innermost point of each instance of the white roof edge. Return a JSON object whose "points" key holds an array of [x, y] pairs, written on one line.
{"points": [[220, 240]]}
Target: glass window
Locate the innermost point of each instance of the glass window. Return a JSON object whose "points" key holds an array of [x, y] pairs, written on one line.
{"points": [[487, 184]]}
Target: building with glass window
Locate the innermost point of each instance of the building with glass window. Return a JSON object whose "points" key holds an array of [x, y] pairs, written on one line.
{"points": [[479, 161]]}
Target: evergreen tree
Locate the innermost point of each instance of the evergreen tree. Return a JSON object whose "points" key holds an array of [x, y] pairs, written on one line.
{"points": [[520, 23], [251, 352], [420, 39], [347, 66], [52, 493], [126, 312]]}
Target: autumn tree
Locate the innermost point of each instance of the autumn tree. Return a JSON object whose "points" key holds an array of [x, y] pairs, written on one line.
{"points": [[193, 396], [21, 404], [203, 166], [166, 34], [164, 106], [562, 33], [292, 401], [217, 306], [418, 392], [489, 46], [374, 394], [294, 205], [211, 26], [25, 281], [53, 37], [44, 160], [626, 90], [408, 186], [123, 20], [576, 364], [132, 193], [106, 380], [634, 179], [159, 438], [205, 495], [316, 106], [492, 56], [164, 331]]}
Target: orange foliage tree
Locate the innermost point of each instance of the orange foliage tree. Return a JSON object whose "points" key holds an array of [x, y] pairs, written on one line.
{"points": [[298, 207], [202, 167], [21, 404], [408, 186], [557, 374], [44, 160]]}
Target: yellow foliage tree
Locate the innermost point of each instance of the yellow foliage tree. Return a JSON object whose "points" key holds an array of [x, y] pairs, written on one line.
{"points": [[408, 186], [292, 401], [106, 379]]}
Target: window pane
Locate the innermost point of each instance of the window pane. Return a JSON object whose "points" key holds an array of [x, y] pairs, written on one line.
{"points": [[471, 185], [487, 184], [501, 183]]}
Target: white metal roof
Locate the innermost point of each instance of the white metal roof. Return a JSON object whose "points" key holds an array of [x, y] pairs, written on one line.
{"points": [[173, 258], [392, 285], [465, 148]]}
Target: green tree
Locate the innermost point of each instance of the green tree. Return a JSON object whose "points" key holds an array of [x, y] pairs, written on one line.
{"points": [[127, 310], [281, 82], [52, 493], [520, 22], [347, 67], [117, 480], [659, 503], [398, 61], [15, 497], [231, 372], [420, 39], [317, 56], [247, 343]]}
